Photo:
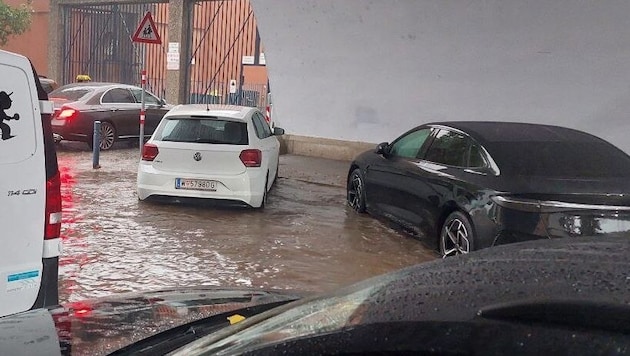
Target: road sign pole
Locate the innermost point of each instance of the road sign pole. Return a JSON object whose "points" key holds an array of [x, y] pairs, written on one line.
{"points": [[142, 107], [145, 33]]}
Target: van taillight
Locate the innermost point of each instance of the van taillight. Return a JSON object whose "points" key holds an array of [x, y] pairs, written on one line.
{"points": [[53, 208], [149, 152], [251, 158]]}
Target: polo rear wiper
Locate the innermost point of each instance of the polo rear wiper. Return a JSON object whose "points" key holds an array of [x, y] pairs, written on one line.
{"points": [[199, 140]]}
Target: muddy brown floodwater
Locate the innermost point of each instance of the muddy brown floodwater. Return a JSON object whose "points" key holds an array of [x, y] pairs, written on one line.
{"points": [[305, 239]]}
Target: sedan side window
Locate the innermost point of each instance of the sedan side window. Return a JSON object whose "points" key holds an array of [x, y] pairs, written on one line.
{"points": [[148, 97], [409, 145], [475, 159], [450, 148], [118, 95]]}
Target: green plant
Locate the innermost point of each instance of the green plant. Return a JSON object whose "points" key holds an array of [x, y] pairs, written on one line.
{"points": [[14, 20]]}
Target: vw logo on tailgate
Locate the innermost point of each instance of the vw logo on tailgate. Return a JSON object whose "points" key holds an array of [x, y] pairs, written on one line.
{"points": [[197, 156]]}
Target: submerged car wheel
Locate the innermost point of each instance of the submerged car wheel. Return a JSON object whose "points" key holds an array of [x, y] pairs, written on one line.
{"points": [[264, 199], [356, 191], [108, 135], [456, 237]]}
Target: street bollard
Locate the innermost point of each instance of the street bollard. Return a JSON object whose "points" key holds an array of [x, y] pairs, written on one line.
{"points": [[96, 146]]}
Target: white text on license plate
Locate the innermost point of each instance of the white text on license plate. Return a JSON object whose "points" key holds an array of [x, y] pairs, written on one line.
{"points": [[195, 184]]}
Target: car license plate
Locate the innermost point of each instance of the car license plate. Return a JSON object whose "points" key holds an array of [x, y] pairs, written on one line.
{"points": [[196, 184]]}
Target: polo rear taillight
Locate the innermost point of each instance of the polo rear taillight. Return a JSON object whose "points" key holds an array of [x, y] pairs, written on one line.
{"points": [[251, 157], [149, 152], [52, 228]]}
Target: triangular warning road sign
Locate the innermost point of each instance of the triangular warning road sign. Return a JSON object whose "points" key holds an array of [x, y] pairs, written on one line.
{"points": [[147, 32]]}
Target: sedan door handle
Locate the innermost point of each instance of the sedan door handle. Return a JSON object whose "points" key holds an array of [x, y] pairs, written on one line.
{"points": [[114, 109]]}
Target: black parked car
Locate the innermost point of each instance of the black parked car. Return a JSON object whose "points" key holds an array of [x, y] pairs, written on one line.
{"points": [[470, 185], [117, 106]]}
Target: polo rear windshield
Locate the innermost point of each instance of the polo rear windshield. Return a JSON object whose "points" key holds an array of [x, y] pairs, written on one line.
{"points": [[213, 130]]}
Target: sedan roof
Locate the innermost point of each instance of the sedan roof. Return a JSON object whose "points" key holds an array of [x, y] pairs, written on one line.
{"points": [[546, 150], [496, 131], [96, 85]]}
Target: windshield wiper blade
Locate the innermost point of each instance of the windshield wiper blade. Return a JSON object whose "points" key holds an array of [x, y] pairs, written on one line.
{"points": [[174, 338]]}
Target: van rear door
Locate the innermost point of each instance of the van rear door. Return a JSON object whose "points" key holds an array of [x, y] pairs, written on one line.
{"points": [[22, 186]]}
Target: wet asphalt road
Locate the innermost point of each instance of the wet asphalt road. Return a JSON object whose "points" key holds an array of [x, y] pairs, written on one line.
{"points": [[305, 239]]}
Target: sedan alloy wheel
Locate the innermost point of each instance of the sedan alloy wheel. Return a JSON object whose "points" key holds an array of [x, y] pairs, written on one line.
{"points": [[356, 191], [456, 235], [108, 136]]}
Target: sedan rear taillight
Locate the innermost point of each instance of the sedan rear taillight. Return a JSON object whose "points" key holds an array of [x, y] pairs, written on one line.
{"points": [[66, 113], [251, 158], [52, 228], [149, 152]]}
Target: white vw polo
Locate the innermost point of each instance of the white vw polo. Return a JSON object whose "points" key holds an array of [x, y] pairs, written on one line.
{"points": [[225, 153]]}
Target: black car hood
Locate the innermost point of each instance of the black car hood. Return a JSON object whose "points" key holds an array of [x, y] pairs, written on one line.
{"points": [[104, 325], [559, 270]]}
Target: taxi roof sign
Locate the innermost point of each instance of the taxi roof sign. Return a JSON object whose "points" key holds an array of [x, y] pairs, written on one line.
{"points": [[147, 32]]}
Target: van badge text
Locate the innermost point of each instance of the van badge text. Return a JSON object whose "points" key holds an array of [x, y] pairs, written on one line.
{"points": [[22, 192]]}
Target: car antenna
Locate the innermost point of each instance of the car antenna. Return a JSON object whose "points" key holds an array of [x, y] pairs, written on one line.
{"points": [[207, 104]]}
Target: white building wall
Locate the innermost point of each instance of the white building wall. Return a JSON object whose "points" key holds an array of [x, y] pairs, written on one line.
{"points": [[367, 70]]}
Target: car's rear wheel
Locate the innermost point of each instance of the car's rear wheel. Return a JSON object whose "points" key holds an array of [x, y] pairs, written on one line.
{"points": [[456, 236], [108, 136], [356, 191], [264, 199]]}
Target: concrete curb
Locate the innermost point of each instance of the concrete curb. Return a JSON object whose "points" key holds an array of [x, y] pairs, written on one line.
{"points": [[322, 147], [314, 169]]}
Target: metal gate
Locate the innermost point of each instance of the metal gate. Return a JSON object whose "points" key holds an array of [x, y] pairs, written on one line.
{"points": [[224, 36], [97, 42], [224, 44]]}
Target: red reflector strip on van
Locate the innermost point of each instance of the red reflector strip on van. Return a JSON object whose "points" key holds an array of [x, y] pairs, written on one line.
{"points": [[53, 208]]}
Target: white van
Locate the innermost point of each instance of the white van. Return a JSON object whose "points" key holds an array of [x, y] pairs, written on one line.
{"points": [[30, 198]]}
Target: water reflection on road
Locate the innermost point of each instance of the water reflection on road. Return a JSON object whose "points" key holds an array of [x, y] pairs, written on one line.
{"points": [[305, 239]]}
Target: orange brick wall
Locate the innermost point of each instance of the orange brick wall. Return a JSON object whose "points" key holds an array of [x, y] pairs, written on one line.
{"points": [[33, 43]]}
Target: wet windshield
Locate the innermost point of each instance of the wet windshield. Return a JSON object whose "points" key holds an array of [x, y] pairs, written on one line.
{"points": [[299, 319], [273, 168]]}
